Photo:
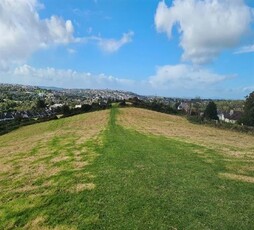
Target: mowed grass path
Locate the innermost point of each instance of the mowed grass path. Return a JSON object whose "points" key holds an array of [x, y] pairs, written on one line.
{"points": [[134, 181]]}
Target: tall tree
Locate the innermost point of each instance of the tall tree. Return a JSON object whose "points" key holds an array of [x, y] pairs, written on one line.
{"points": [[248, 117], [211, 111]]}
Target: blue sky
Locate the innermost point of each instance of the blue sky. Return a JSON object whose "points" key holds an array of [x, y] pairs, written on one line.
{"points": [[180, 48]]}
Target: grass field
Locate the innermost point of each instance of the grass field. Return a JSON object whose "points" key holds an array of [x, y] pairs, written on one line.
{"points": [[126, 169]]}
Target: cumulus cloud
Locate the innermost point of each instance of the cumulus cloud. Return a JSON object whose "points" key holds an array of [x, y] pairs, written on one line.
{"points": [[27, 74], [170, 80], [207, 27], [113, 45], [184, 77], [23, 32], [177, 77]]}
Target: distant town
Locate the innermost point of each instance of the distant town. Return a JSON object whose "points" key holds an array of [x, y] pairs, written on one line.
{"points": [[31, 102], [36, 102]]}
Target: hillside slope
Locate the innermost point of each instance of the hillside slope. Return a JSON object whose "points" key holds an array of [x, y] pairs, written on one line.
{"points": [[38, 160], [228, 142], [96, 171]]}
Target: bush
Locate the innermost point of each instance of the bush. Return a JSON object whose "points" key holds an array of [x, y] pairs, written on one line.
{"points": [[195, 119], [211, 111]]}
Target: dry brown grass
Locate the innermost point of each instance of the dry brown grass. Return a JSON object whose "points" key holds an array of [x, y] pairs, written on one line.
{"points": [[82, 187], [29, 153], [83, 127], [237, 177], [224, 141], [38, 224]]}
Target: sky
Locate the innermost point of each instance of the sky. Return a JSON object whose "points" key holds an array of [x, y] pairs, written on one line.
{"points": [[174, 48]]}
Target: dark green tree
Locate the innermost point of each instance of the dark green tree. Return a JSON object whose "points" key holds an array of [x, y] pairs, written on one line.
{"points": [[40, 104], [122, 103], [248, 116], [86, 108], [66, 110], [211, 111]]}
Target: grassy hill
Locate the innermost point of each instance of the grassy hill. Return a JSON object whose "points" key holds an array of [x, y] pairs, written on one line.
{"points": [[126, 169]]}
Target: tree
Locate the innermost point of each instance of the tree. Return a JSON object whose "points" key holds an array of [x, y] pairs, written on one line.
{"points": [[122, 103], [211, 111], [86, 108], [66, 109], [248, 116], [40, 104]]}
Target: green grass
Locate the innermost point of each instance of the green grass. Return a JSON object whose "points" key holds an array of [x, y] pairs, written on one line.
{"points": [[141, 182]]}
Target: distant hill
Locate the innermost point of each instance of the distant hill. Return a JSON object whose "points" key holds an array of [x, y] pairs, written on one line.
{"points": [[51, 88]]}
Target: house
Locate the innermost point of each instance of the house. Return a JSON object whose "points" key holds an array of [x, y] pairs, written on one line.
{"points": [[221, 116], [56, 106], [24, 115], [78, 106], [184, 107], [9, 116], [230, 117]]}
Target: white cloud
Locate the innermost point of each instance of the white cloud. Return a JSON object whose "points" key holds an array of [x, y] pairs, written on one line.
{"points": [[113, 45], [26, 74], [23, 31], [184, 77], [176, 81], [108, 45], [245, 49], [248, 89], [206, 27]]}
